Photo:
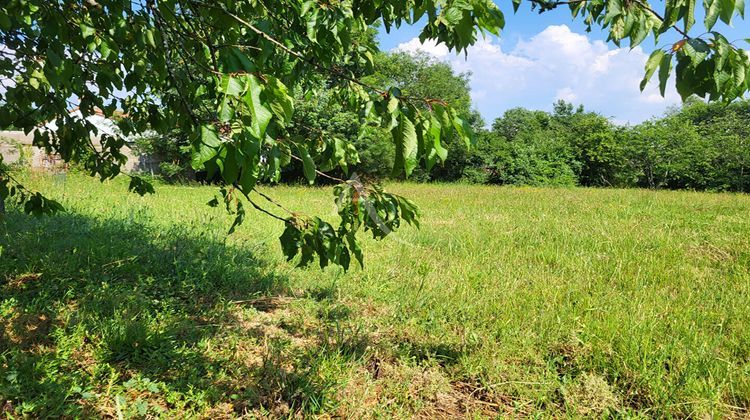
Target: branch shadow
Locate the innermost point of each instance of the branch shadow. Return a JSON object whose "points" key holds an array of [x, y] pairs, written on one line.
{"points": [[89, 303]]}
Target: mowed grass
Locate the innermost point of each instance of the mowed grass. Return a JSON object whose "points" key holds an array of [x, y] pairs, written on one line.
{"points": [[508, 302]]}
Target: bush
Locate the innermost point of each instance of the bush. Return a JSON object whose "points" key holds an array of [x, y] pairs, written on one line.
{"points": [[171, 151], [523, 148], [698, 146]]}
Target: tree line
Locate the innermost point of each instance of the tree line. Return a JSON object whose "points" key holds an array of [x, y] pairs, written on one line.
{"points": [[697, 146]]}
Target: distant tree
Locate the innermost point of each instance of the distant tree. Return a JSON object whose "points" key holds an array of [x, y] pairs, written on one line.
{"points": [[415, 75], [698, 146], [728, 130], [421, 75], [524, 148], [594, 143]]}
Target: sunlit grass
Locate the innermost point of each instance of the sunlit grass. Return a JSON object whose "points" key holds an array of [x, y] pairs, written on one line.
{"points": [[508, 301]]}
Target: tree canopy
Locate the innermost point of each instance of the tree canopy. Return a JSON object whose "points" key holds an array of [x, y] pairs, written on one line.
{"points": [[226, 74]]}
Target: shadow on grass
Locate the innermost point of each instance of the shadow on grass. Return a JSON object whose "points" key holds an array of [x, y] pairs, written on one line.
{"points": [[91, 304]]}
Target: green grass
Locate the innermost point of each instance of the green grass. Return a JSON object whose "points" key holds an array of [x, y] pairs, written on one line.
{"points": [[508, 301]]}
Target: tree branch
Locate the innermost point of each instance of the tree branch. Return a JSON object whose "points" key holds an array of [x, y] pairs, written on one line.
{"points": [[259, 208]]}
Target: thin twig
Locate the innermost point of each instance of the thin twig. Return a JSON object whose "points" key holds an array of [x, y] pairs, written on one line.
{"points": [[323, 174], [661, 18], [272, 201], [332, 71], [259, 208]]}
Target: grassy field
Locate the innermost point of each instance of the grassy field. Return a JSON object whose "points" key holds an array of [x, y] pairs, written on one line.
{"points": [[508, 302]]}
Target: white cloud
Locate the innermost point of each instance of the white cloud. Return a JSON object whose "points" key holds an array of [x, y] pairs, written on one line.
{"points": [[436, 50], [566, 94], [555, 64]]}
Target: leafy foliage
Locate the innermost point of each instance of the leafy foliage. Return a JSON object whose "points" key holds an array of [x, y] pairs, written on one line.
{"points": [[370, 209], [223, 74], [700, 146], [707, 64]]}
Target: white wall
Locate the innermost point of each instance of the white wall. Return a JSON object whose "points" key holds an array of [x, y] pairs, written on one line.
{"points": [[38, 159]]}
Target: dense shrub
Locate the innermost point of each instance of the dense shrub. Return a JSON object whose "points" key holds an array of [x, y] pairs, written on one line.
{"points": [[698, 146], [171, 151]]}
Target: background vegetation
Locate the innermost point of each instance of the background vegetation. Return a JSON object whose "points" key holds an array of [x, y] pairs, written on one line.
{"points": [[698, 146]]}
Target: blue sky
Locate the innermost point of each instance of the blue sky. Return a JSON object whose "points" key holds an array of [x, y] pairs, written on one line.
{"points": [[539, 59]]}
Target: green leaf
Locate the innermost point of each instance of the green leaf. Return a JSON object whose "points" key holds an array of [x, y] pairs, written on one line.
{"points": [[209, 136], [312, 25], [443, 116], [684, 85], [697, 49], [438, 152], [342, 152], [231, 167], [140, 186], [235, 60], [86, 30], [306, 6], [250, 152], [462, 128], [452, 16], [393, 104], [722, 50], [239, 219], [4, 20], [689, 18], [640, 32], [104, 49], [355, 249], [150, 38], [308, 165], [291, 241], [232, 86], [720, 78], [651, 65], [614, 9], [664, 69], [226, 109], [282, 105], [712, 12], [410, 145], [248, 178], [740, 6], [727, 10], [53, 57], [739, 72], [261, 115], [39, 205], [405, 137], [409, 211], [204, 148]]}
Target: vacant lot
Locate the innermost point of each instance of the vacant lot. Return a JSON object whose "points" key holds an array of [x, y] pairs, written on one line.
{"points": [[508, 301]]}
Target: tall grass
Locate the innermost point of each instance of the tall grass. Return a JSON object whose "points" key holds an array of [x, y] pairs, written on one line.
{"points": [[515, 301]]}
